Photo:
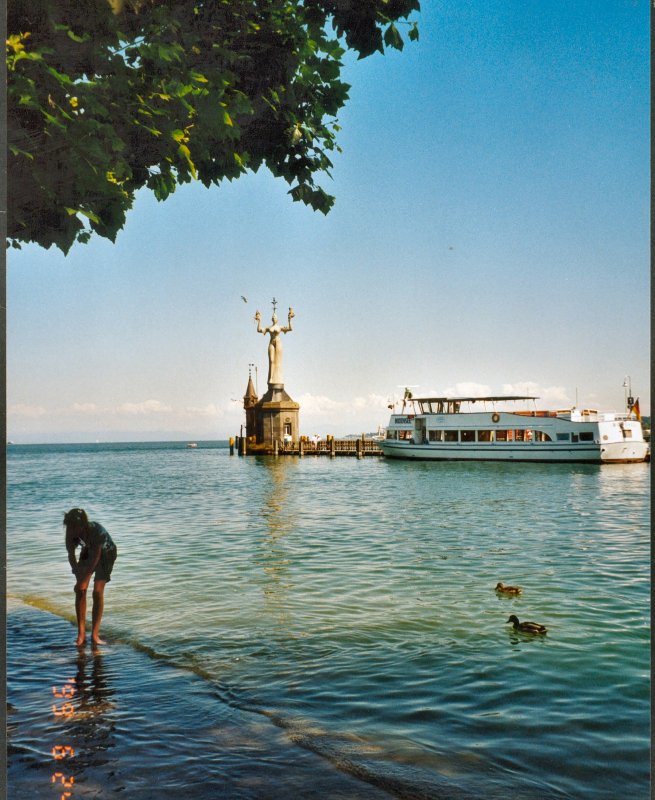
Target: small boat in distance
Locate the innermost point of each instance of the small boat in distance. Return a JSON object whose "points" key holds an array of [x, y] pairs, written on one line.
{"points": [[192, 444], [481, 429]]}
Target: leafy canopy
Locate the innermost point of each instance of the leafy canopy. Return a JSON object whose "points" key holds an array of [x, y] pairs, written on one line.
{"points": [[106, 97]]}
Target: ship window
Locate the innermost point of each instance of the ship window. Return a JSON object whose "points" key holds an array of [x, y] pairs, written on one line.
{"points": [[468, 436], [587, 436], [518, 435], [563, 437], [450, 436], [574, 437], [392, 434], [627, 433], [502, 436], [540, 436], [436, 436], [404, 434], [484, 436]]}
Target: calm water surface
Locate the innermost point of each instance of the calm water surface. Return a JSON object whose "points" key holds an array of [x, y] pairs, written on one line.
{"points": [[330, 627]]}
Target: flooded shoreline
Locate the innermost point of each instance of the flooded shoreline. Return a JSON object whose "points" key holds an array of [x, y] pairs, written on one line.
{"points": [[141, 726]]}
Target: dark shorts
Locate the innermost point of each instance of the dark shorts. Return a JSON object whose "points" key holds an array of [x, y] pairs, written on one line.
{"points": [[105, 565]]}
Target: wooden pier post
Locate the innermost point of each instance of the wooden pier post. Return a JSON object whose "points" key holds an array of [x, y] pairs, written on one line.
{"points": [[276, 447], [333, 450], [301, 447], [231, 445], [358, 448]]}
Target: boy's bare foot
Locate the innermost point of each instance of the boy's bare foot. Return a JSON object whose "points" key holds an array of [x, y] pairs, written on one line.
{"points": [[80, 640], [97, 640]]}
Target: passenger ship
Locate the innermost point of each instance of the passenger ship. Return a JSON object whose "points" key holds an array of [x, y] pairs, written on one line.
{"points": [[476, 429]]}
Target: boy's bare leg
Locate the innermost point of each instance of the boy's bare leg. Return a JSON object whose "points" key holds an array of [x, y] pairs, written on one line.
{"points": [[96, 613], [80, 612]]}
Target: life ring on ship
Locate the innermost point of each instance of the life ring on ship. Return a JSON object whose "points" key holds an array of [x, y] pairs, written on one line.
{"points": [[495, 417]]}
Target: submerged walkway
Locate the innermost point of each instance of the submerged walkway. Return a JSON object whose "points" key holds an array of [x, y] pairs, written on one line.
{"points": [[125, 721]]}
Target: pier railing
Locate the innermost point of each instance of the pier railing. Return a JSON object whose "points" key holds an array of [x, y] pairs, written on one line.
{"points": [[307, 447]]}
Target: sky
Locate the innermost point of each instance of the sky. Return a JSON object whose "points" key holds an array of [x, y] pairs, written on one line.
{"points": [[490, 236]]}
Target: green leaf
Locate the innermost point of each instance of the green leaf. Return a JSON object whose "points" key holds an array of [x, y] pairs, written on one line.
{"points": [[76, 38], [184, 151], [88, 214], [392, 38], [29, 56], [16, 151]]}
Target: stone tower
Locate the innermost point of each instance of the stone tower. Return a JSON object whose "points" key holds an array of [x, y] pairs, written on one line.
{"points": [[276, 417]]}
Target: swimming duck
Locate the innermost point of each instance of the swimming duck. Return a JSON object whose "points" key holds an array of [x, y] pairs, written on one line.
{"points": [[500, 587], [526, 627]]}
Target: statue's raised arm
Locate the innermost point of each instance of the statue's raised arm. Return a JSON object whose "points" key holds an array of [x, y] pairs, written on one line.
{"points": [[291, 316], [258, 320]]}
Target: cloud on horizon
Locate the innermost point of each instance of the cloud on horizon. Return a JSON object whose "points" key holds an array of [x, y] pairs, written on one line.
{"points": [[24, 410], [358, 414]]}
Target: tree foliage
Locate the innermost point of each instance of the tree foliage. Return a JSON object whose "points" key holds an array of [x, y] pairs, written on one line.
{"points": [[106, 97]]}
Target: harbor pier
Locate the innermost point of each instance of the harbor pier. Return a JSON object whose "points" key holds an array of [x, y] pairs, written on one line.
{"points": [[306, 446]]}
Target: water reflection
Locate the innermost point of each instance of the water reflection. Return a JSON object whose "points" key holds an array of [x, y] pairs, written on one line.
{"points": [[518, 638], [92, 726], [272, 554]]}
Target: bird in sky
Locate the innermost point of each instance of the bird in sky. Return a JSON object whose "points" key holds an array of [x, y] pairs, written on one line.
{"points": [[245, 299]]}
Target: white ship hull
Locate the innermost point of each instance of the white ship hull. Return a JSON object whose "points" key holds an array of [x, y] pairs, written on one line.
{"points": [[616, 453], [442, 431]]}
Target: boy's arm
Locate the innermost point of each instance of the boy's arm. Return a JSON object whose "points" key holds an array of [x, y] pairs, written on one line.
{"points": [[70, 547], [89, 565]]}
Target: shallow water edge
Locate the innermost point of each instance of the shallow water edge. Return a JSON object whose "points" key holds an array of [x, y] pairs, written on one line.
{"points": [[103, 721]]}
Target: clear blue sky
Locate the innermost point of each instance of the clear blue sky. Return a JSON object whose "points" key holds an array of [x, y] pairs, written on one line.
{"points": [[491, 234]]}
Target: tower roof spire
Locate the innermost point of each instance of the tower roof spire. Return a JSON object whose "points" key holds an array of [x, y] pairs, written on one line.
{"points": [[251, 395]]}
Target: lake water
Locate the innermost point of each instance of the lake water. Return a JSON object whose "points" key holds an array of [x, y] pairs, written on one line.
{"points": [[329, 628]]}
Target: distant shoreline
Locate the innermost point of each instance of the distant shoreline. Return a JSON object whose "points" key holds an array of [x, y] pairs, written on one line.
{"points": [[214, 443]]}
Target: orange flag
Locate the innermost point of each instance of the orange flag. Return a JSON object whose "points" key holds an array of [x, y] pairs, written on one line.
{"points": [[635, 410]]}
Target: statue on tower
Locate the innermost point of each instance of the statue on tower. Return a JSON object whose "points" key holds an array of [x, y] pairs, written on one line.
{"points": [[275, 344]]}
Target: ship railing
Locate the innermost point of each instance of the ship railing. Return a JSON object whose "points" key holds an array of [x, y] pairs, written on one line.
{"points": [[597, 416], [340, 445]]}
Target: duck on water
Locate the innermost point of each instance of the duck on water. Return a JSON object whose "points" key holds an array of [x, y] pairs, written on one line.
{"points": [[501, 588], [526, 627]]}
